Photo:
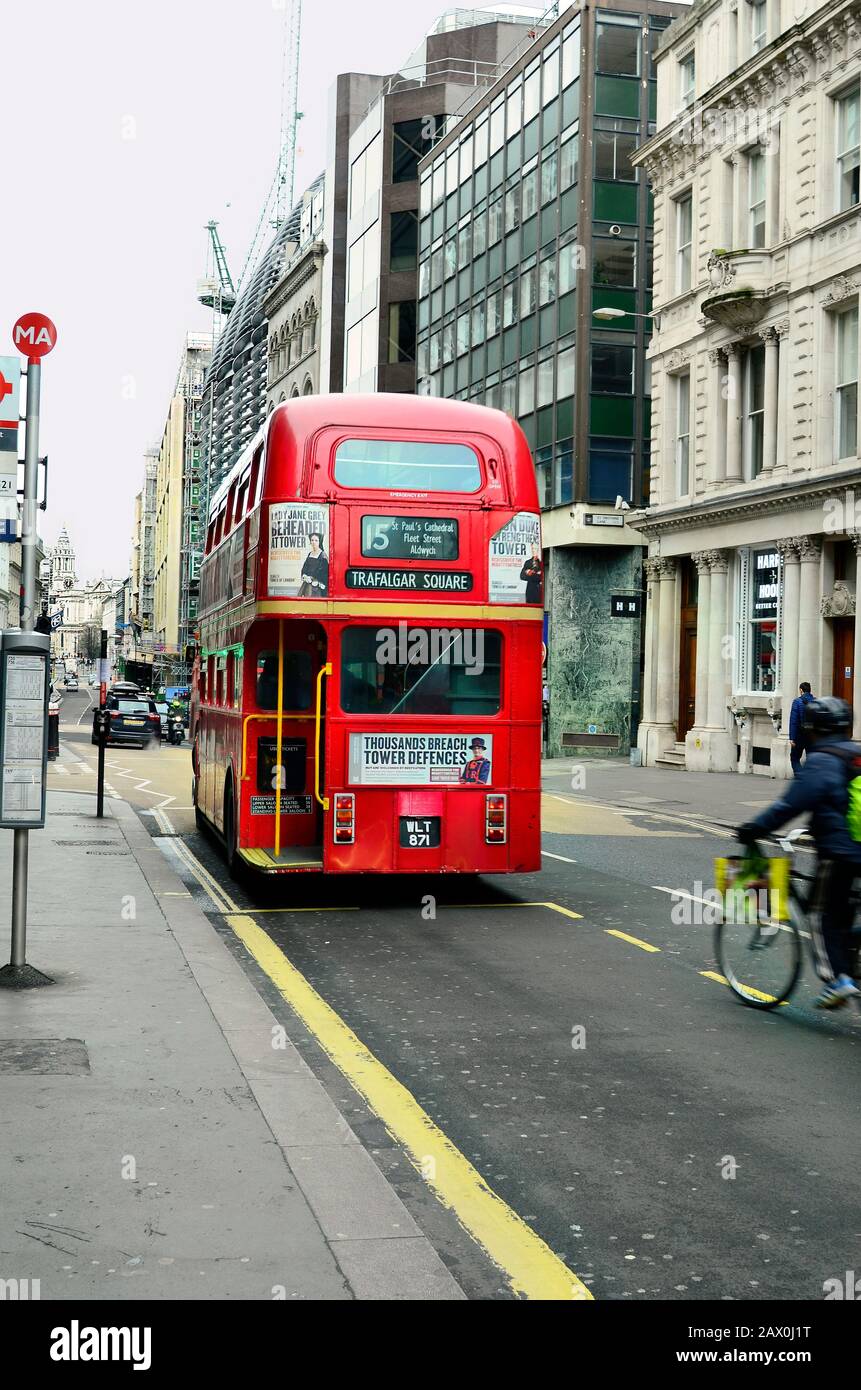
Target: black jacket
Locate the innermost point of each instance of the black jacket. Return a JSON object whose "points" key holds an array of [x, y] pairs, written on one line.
{"points": [[822, 789]]}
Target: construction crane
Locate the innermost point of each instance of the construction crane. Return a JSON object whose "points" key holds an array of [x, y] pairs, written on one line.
{"points": [[216, 290], [279, 200]]}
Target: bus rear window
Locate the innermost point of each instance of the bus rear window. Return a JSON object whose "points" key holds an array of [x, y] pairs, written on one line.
{"points": [[398, 465], [455, 671]]}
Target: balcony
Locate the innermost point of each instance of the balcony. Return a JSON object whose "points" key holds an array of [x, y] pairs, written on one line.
{"points": [[742, 286]]}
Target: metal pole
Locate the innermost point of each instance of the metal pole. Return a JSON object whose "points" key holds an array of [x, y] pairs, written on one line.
{"points": [[100, 780], [21, 841], [31, 479], [19, 975]]}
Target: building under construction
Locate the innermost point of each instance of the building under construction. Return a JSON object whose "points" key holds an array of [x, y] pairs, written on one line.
{"points": [[233, 404]]}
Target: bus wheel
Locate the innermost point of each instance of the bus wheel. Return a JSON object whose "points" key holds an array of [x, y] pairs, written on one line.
{"points": [[233, 860], [199, 818]]}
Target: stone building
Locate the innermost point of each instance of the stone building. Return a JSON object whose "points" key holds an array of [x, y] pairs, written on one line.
{"points": [[753, 527], [292, 310], [82, 605]]}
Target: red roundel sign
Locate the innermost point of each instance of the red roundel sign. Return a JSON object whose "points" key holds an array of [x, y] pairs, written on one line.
{"points": [[34, 335]]}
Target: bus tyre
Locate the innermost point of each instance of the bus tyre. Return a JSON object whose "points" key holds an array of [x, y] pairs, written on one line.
{"points": [[231, 855]]}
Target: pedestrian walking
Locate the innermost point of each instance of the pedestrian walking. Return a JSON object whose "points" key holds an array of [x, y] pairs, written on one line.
{"points": [[798, 739]]}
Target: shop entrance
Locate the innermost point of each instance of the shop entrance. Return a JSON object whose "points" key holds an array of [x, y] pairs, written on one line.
{"points": [[688, 649]]}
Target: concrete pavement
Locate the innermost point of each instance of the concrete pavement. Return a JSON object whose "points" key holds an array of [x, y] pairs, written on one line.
{"points": [[717, 798], [162, 1136]]}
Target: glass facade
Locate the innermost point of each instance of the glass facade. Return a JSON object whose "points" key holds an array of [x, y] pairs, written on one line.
{"points": [[516, 212]]}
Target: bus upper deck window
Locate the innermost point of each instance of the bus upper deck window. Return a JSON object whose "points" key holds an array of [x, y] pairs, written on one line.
{"points": [[298, 684], [394, 464]]}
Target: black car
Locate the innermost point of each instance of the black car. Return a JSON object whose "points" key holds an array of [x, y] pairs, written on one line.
{"points": [[133, 720]]}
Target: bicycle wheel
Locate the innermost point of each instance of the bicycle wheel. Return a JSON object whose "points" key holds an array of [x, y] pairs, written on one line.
{"points": [[760, 959]]}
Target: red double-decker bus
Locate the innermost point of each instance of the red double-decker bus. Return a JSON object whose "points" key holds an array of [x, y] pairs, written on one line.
{"points": [[367, 695]]}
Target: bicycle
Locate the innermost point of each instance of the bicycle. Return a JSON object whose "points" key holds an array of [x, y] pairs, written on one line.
{"points": [[761, 957]]}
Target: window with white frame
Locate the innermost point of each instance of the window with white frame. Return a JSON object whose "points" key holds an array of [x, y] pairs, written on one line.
{"points": [[684, 238], [846, 392], [687, 80], [754, 410], [848, 147], [683, 434], [758, 25], [757, 621], [756, 197]]}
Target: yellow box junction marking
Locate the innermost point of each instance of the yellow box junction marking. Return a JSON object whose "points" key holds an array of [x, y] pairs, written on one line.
{"points": [[530, 1266]]}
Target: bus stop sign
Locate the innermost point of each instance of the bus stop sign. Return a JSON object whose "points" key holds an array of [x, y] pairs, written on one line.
{"points": [[34, 335]]}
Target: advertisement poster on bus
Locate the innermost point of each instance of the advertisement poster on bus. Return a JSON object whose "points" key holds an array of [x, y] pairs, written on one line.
{"points": [[298, 550], [515, 566], [421, 760]]}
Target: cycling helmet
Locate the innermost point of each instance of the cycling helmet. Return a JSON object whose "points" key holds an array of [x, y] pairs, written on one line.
{"points": [[827, 715]]}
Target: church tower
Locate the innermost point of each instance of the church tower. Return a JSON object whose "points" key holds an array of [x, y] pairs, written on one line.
{"points": [[63, 575]]}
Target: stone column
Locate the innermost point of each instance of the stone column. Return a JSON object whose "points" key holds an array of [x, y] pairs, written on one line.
{"points": [[651, 574], [782, 331], [809, 618], [789, 549], [733, 414], [718, 646], [771, 403], [701, 560], [666, 685], [716, 424]]}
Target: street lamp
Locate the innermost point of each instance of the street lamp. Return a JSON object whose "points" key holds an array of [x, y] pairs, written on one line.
{"points": [[607, 313]]}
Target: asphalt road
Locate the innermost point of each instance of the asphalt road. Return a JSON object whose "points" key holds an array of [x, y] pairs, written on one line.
{"points": [[664, 1141]]}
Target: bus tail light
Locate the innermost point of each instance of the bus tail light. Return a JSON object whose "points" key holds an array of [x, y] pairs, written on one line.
{"points": [[495, 819], [345, 818]]}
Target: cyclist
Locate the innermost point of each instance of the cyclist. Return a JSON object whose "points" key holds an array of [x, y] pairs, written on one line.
{"points": [[822, 788]]}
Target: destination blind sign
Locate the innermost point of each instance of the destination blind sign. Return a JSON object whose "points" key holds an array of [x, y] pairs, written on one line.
{"points": [[411, 581], [409, 537]]}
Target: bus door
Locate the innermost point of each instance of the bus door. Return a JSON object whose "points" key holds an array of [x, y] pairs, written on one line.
{"points": [[281, 816]]}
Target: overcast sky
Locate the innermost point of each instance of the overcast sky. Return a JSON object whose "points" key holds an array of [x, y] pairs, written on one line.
{"points": [[133, 124]]}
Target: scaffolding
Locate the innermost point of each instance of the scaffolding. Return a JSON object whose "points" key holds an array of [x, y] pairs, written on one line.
{"points": [[190, 388]]}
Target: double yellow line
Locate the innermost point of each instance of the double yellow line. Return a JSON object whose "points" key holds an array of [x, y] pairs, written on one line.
{"points": [[530, 1268]]}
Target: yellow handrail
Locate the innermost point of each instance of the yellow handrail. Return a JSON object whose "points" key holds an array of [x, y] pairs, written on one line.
{"points": [[245, 723], [321, 675]]}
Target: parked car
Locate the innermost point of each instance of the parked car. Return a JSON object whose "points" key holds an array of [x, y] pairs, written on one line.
{"points": [[133, 719]]}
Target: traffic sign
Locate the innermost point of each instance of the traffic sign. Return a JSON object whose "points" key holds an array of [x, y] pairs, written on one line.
{"points": [[10, 380], [34, 335]]}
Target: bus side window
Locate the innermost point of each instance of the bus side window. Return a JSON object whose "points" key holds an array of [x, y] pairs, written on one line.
{"points": [[210, 679], [232, 689], [201, 684], [221, 662]]}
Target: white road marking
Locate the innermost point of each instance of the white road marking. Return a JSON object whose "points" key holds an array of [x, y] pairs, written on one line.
{"points": [[681, 893], [563, 857], [88, 709]]}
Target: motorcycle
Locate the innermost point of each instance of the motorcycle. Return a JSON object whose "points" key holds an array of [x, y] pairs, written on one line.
{"points": [[175, 729]]}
